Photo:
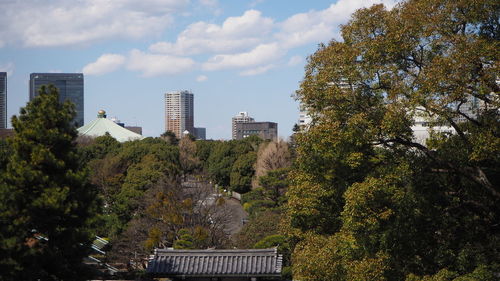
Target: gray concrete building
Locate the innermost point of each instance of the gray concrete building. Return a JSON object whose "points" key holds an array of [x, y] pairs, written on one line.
{"points": [[3, 100], [135, 129], [242, 117], [265, 130], [70, 86]]}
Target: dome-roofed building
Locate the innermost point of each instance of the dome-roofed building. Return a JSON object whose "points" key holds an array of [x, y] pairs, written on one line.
{"points": [[102, 125]]}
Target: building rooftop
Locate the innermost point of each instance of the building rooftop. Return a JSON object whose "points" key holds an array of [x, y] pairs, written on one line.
{"points": [[102, 125], [216, 263]]}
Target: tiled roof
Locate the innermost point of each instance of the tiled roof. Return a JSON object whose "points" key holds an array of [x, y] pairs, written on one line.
{"points": [[215, 263]]}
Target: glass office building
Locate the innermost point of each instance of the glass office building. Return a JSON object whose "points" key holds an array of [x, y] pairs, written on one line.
{"points": [[70, 86], [3, 100]]}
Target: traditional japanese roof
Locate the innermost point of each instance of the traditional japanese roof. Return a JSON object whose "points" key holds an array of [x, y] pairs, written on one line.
{"points": [[101, 126], [215, 263]]}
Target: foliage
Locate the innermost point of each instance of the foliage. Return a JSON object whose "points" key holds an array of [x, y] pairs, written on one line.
{"points": [[187, 155], [170, 138], [275, 183], [178, 214], [5, 151], [97, 148], [242, 173], [185, 240], [220, 162], [271, 241], [224, 154], [45, 193], [254, 208], [203, 150], [480, 273], [124, 175], [254, 194], [265, 224], [367, 200], [272, 156]]}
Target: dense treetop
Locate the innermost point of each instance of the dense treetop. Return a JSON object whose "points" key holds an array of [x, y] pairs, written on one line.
{"points": [[47, 206], [368, 201]]}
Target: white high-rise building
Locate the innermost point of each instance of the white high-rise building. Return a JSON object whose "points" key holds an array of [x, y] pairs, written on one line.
{"points": [[304, 118], [242, 117], [179, 112]]}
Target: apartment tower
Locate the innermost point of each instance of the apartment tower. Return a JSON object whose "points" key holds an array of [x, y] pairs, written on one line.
{"points": [[179, 112], [70, 86], [3, 100]]}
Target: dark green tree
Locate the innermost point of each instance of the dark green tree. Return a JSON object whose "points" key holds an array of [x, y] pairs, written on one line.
{"points": [[203, 150], [46, 204], [170, 137], [220, 162], [242, 172], [5, 151], [224, 154], [97, 148], [275, 183]]}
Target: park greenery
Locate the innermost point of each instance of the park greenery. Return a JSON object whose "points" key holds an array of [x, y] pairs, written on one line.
{"points": [[58, 191], [366, 200], [148, 202]]}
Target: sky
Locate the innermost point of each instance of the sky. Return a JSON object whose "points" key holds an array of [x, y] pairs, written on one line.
{"points": [[234, 55]]}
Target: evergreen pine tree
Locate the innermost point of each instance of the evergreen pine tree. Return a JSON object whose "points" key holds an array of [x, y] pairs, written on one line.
{"points": [[46, 203]]}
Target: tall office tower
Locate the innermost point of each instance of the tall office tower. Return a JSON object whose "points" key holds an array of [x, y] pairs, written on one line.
{"points": [[242, 117], [3, 100], [70, 86], [179, 112]]}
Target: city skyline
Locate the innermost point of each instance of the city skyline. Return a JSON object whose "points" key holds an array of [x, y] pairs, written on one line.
{"points": [[235, 55]]}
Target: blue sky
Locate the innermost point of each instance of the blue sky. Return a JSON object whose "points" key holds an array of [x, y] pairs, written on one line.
{"points": [[234, 55]]}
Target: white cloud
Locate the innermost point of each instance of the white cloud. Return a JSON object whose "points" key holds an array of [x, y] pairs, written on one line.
{"points": [[295, 60], [257, 70], [155, 64], [323, 25], [235, 34], [104, 64], [261, 54], [201, 78], [255, 41], [7, 67], [59, 22]]}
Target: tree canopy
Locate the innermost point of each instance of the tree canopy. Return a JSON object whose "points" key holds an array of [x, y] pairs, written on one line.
{"points": [[47, 205], [370, 202]]}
